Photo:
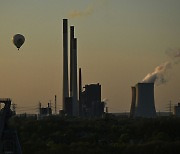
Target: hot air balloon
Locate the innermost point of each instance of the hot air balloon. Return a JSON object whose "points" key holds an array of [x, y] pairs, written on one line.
{"points": [[18, 40]]}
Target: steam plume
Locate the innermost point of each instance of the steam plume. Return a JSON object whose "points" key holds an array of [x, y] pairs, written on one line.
{"points": [[174, 54], [158, 76], [88, 11], [77, 13]]}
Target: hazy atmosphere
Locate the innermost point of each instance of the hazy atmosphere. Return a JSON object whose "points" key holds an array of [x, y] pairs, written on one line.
{"points": [[120, 43]]}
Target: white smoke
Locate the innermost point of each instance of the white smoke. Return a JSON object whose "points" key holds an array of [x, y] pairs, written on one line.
{"points": [[89, 10], [174, 54], [77, 13], [158, 76], [160, 73]]}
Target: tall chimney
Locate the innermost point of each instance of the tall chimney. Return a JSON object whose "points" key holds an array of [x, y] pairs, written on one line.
{"points": [[65, 62], [74, 79], [80, 83], [71, 57], [80, 91]]}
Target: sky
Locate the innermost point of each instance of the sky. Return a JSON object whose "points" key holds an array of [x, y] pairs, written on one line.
{"points": [[119, 43]]}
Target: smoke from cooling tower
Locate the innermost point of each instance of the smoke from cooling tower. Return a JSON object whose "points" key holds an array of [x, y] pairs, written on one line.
{"points": [[174, 54], [159, 75], [89, 10]]}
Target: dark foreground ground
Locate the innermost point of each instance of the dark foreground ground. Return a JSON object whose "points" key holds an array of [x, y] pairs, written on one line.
{"points": [[95, 136]]}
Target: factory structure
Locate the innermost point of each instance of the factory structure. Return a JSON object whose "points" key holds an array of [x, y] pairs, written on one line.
{"points": [[143, 104], [44, 111], [177, 110], [76, 102], [9, 141]]}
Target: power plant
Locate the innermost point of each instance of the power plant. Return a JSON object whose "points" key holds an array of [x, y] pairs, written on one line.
{"points": [[143, 104], [71, 105]]}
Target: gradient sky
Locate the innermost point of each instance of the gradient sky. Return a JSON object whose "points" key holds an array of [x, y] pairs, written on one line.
{"points": [[119, 43]]}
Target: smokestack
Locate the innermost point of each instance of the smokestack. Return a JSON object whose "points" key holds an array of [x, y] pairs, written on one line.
{"points": [[80, 83], [80, 91], [65, 61], [133, 103], [145, 106], [71, 57], [74, 79]]}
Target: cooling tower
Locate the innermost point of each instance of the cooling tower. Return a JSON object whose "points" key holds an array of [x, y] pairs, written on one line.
{"points": [[65, 61], [145, 106], [133, 103]]}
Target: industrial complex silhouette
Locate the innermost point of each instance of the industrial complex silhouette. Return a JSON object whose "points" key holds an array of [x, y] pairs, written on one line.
{"points": [[89, 103]]}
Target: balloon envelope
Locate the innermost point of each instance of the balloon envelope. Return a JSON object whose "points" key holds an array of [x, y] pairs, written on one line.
{"points": [[18, 40]]}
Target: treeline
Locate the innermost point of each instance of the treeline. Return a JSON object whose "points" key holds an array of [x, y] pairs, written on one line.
{"points": [[56, 135]]}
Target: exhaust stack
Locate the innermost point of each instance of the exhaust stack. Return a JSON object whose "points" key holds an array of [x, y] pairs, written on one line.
{"points": [[65, 62], [71, 58], [74, 79]]}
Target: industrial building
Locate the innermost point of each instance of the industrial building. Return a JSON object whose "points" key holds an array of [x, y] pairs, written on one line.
{"points": [[177, 110], [68, 106], [44, 111], [91, 104], [143, 104]]}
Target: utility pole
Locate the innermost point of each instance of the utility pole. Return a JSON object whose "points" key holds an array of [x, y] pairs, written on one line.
{"points": [[170, 108], [55, 105], [39, 108]]}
